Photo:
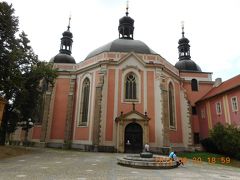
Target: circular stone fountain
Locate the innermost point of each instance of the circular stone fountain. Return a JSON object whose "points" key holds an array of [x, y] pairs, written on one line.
{"points": [[147, 161]]}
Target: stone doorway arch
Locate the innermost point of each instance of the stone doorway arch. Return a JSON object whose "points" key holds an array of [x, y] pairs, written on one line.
{"points": [[132, 117]]}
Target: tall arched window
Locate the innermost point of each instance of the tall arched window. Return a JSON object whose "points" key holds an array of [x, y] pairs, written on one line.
{"points": [[130, 86], [194, 85], [171, 106], [84, 102]]}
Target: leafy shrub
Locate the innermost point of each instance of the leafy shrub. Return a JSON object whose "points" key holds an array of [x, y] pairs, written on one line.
{"points": [[226, 139], [209, 145], [217, 135], [237, 156]]}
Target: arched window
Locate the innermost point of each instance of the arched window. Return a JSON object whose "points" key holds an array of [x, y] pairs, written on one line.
{"points": [[84, 102], [194, 85], [171, 106], [130, 86]]}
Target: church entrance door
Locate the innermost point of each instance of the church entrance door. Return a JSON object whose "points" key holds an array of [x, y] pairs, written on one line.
{"points": [[133, 138]]}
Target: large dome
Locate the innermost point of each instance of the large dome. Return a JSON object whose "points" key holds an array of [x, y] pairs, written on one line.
{"points": [[123, 45], [187, 65]]}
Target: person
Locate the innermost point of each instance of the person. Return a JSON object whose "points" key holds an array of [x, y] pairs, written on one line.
{"points": [[128, 142], [173, 157], [146, 147]]}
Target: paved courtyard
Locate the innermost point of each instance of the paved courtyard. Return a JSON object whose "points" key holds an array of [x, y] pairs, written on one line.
{"points": [[60, 164]]}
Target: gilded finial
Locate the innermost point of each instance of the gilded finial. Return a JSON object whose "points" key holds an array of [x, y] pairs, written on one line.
{"points": [[182, 22], [69, 21], [127, 9]]}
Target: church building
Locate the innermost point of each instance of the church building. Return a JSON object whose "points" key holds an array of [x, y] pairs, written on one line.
{"points": [[122, 96]]}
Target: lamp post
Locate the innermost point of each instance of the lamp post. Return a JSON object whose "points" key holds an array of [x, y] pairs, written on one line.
{"points": [[26, 125]]}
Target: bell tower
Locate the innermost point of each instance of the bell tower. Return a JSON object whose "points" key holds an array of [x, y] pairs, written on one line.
{"points": [[183, 47], [126, 27], [66, 41]]}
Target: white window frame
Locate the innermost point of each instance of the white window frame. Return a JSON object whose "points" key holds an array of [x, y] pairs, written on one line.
{"points": [[203, 114], [138, 87], [79, 119], [218, 108], [174, 127], [234, 103], [136, 81]]}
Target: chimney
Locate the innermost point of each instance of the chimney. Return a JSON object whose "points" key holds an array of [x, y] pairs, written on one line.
{"points": [[217, 82]]}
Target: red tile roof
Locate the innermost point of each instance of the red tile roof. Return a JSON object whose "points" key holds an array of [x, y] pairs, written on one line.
{"points": [[223, 87]]}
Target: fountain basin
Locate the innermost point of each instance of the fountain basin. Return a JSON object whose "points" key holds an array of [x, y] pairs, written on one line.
{"points": [[146, 155], [154, 162]]}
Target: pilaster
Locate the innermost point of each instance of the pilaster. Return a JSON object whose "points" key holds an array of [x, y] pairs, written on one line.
{"points": [[47, 99], [97, 113], [165, 115], [69, 115]]}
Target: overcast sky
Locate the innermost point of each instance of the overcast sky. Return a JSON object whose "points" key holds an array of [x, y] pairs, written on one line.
{"points": [[212, 26]]}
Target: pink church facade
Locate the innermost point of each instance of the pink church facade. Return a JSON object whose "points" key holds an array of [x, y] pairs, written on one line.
{"points": [[124, 95], [149, 109]]}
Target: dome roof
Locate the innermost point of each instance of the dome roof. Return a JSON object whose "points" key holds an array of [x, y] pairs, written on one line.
{"points": [[67, 34], [183, 40], [187, 65], [63, 58], [64, 55], [126, 19], [123, 45]]}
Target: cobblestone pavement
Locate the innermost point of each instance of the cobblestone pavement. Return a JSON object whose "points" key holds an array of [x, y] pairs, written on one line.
{"points": [[60, 164]]}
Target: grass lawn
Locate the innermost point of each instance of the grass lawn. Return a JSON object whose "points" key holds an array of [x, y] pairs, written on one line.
{"points": [[199, 157], [10, 151]]}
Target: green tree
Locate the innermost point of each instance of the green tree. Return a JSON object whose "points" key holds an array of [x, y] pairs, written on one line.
{"points": [[28, 99], [20, 74]]}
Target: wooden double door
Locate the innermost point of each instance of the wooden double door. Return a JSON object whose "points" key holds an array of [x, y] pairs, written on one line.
{"points": [[133, 138]]}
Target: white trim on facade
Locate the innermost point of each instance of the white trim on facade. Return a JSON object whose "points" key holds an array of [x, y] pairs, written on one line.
{"points": [[218, 108], [115, 107], [199, 79], [186, 127], [77, 106], [104, 105], [172, 128], [87, 142], [145, 90], [91, 105], [158, 112], [55, 141], [87, 75], [234, 103]]}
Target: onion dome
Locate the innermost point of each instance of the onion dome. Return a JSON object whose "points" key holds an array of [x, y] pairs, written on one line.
{"points": [[67, 33], [64, 55], [185, 63], [183, 41]]}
